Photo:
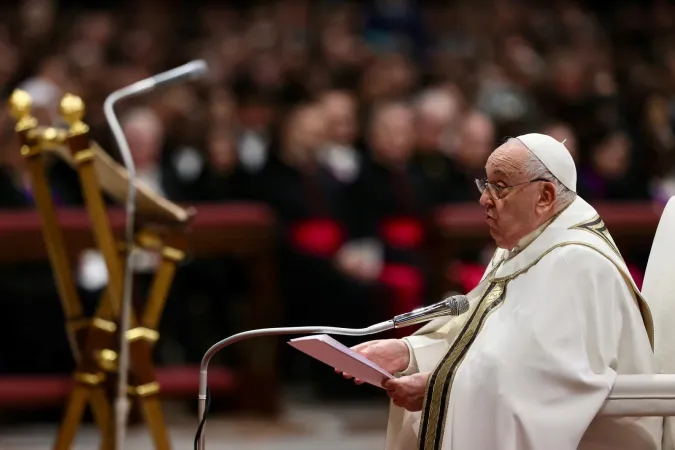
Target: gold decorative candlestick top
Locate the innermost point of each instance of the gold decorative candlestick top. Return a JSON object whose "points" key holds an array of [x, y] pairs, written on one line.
{"points": [[72, 110], [20, 104]]}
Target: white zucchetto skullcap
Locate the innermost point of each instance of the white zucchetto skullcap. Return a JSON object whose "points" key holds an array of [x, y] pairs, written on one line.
{"points": [[554, 155]]}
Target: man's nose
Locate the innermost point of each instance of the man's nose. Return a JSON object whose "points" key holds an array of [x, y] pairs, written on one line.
{"points": [[486, 199]]}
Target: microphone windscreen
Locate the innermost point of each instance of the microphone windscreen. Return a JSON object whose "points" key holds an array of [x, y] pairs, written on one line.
{"points": [[190, 71], [459, 304], [198, 68]]}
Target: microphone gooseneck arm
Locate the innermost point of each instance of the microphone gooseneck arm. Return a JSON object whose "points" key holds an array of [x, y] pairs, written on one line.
{"points": [[203, 369], [191, 70]]}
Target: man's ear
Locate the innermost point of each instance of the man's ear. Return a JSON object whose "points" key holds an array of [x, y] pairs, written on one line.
{"points": [[548, 195]]}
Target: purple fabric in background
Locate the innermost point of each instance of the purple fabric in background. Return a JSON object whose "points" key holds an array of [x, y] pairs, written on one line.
{"points": [[592, 184], [28, 194]]}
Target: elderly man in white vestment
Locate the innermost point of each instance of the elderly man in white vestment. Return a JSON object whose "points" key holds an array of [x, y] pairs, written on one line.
{"points": [[555, 318]]}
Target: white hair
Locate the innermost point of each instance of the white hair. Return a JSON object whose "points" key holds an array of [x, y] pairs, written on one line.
{"points": [[534, 169]]}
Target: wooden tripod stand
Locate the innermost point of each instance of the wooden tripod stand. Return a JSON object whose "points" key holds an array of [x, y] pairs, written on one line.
{"points": [[162, 228]]}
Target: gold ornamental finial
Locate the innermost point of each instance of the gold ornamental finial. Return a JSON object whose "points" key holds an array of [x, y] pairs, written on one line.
{"points": [[20, 104], [53, 136], [72, 110]]}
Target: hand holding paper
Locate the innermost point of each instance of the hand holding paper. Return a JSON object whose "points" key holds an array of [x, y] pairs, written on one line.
{"points": [[390, 354], [343, 359]]}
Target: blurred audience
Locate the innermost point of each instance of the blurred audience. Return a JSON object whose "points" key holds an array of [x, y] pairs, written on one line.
{"points": [[352, 120]]}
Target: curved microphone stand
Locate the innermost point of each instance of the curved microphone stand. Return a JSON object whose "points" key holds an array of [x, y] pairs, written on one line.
{"points": [[452, 306], [203, 370], [640, 395]]}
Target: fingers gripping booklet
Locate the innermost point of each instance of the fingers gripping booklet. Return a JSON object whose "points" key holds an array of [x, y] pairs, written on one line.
{"points": [[331, 352]]}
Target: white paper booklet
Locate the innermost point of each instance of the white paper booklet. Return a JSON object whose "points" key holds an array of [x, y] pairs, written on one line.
{"points": [[331, 352]]}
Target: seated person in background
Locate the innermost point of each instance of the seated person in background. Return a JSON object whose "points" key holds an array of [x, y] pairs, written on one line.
{"points": [[146, 136], [469, 151], [609, 174], [311, 210], [223, 177], [388, 206], [207, 290], [316, 286], [436, 120], [215, 174], [341, 155]]}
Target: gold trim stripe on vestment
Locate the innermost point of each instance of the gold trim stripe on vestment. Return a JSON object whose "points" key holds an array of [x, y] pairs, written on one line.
{"points": [[596, 226], [432, 422]]}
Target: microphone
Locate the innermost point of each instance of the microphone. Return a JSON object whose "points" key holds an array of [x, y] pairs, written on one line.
{"points": [[190, 71], [455, 305]]}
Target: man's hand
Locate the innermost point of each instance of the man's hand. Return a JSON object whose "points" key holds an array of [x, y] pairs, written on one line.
{"points": [[390, 354], [408, 392], [359, 261]]}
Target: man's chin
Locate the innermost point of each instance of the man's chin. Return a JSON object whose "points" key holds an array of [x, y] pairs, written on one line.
{"points": [[496, 236]]}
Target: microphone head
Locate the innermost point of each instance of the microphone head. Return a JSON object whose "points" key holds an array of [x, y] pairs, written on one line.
{"points": [[197, 68], [458, 305]]}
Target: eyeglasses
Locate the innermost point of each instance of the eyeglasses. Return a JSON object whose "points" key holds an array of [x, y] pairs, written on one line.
{"points": [[498, 192]]}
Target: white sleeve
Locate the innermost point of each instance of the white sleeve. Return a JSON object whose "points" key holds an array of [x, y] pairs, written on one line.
{"points": [[425, 351]]}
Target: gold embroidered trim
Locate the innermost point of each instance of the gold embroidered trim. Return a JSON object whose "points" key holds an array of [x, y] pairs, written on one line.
{"points": [[596, 226], [645, 312], [432, 424]]}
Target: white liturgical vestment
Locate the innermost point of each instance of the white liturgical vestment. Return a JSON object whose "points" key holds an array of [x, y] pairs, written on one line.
{"points": [[531, 363]]}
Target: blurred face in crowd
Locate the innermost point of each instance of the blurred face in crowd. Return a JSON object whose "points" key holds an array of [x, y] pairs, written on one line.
{"points": [[339, 44], [305, 134], [37, 17], [222, 151], [392, 134], [612, 157], [145, 135], [568, 77], [514, 206], [97, 27], [389, 76], [658, 114], [340, 111], [266, 70], [434, 118], [256, 114], [476, 141], [221, 109]]}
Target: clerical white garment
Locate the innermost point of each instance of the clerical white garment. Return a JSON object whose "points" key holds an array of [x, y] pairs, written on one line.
{"points": [[531, 363]]}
